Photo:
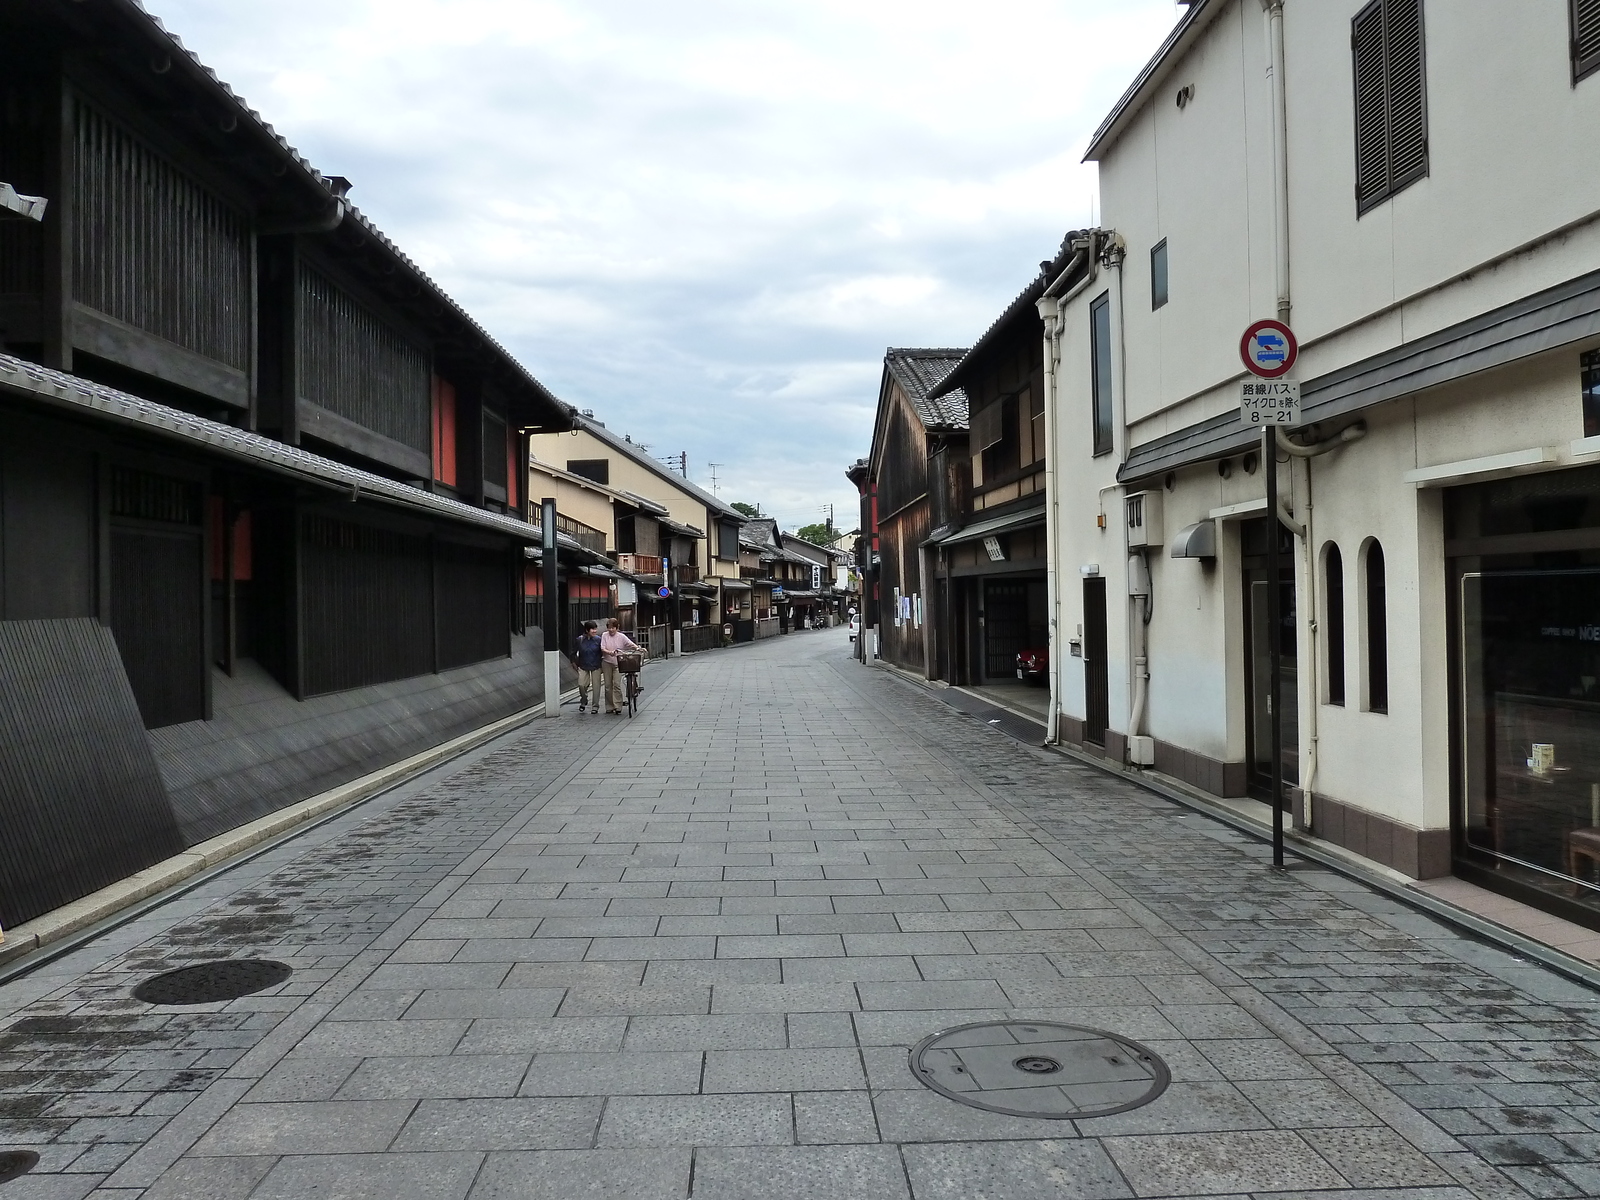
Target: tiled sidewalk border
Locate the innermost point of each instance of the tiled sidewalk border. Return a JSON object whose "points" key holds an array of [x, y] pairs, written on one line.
{"points": [[1323, 853]]}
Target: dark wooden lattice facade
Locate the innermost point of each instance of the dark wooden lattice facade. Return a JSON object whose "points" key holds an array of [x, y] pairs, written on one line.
{"points": [[178, 587]]}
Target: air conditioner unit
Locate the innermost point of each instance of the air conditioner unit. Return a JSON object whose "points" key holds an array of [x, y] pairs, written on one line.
{"points": [[1144, 519]]}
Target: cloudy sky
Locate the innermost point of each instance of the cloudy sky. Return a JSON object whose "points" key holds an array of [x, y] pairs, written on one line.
{"points": [[704, 219]]}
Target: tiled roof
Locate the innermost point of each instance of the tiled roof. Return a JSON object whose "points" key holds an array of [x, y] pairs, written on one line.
{"points": [[71, 393], [157, 30], [919, 372], [1022, 305]]}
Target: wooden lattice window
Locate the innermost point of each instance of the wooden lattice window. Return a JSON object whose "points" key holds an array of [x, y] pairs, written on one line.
{"points": [[1391, 99]]}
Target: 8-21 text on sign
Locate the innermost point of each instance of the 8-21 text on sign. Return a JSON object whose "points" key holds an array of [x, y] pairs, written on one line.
{"points": [[1270, 402]]}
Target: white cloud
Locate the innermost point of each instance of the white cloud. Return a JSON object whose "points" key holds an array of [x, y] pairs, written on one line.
{"points": [[704, 220]]}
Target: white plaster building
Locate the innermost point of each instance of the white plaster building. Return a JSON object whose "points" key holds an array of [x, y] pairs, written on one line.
{"points": [[1422, 204]]}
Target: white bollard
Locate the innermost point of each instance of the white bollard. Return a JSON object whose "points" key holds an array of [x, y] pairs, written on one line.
{"points": [[552, 683]]}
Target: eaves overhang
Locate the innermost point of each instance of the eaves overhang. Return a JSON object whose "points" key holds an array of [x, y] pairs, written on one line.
{"points": [[75, 396], [1184, 35], [1565, 315]]}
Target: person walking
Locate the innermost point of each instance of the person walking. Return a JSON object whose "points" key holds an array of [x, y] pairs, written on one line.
{"points": [[612, 643], [586, 657]]}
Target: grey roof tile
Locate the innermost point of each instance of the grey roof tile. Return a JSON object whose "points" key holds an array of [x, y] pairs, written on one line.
{"points": [[919, 372]]}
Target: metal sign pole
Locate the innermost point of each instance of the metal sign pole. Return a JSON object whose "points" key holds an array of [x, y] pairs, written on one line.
{"points": [[1269, 462], [551, 608]]}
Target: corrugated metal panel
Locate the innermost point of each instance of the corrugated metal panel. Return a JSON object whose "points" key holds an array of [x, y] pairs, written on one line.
{"points": [[80, 796], [263, 749]]}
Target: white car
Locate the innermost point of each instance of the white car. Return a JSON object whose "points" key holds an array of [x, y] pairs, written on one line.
{"points": [[855, 626]]}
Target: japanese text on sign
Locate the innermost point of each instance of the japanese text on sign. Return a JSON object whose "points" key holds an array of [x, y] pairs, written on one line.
{"points": [[1270, 402]]}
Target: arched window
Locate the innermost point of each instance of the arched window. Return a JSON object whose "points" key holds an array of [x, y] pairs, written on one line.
{"points": [[1377, 629], [1333, 593]]}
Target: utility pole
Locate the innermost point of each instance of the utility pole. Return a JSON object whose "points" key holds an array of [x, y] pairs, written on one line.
{"points": [[828, 508]]}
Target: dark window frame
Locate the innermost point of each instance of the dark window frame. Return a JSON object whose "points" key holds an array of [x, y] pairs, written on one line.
{"points": [[1160, 276], [1374, 578], [1100, 382], [1384, 170], [1585, 44], [1589, 381], [1333, 600], [595, 470]]}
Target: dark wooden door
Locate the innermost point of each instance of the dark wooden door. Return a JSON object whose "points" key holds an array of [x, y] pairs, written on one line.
{"points": [[158, 617], [1096, 670], [1258, 657], [1005, 626]]}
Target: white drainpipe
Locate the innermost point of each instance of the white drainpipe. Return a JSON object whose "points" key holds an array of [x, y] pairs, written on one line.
{"points": [[1050, 306]]}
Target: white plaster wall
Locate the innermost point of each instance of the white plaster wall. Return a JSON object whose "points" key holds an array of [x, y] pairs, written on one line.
{"points": [[1511, 162], [628, 476], [1510, 155]]}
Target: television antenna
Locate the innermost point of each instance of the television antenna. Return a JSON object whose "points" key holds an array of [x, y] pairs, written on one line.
{"points": [[715, 491]]}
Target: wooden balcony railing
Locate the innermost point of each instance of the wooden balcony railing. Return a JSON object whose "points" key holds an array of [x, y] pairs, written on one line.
{"points": [[682, 575], [640, 564]]}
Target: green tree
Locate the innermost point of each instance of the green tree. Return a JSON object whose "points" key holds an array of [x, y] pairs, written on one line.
{"points": [[819, 534], [749, 510]]}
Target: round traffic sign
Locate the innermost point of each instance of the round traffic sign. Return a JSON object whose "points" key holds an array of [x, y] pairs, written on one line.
{"points": [[1268, 349], [664, 592]]}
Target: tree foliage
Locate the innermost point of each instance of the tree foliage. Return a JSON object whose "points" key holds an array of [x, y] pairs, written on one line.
{"points": [[749, 510], [820, 534]]}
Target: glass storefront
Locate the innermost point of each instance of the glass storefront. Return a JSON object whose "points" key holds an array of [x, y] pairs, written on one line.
{"points": [[1525, 555]]}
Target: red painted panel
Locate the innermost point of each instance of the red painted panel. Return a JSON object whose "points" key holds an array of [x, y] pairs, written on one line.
{"points": [[444, 431], [215, 513], [532, 580], [513, 484]]}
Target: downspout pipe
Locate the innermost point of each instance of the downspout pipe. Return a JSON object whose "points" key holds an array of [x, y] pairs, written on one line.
{"points": [[1050, 306], [1280, 154]]}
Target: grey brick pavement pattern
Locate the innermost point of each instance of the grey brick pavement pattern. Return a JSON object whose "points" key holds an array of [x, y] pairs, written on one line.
{"points": [[686, 956]]}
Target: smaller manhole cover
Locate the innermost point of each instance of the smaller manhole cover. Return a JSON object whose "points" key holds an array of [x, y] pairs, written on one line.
{"points": [[212, 982], [16, 1162], [1040, 1069]]}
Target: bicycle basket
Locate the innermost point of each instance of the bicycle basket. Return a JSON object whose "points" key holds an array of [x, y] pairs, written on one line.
{"points": [[630, 663]]}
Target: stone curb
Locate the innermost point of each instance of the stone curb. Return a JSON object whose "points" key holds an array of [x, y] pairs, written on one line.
{"points": [[99, 906]]}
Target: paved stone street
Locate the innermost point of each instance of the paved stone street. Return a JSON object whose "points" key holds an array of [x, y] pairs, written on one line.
{"points": [[687, 955]]}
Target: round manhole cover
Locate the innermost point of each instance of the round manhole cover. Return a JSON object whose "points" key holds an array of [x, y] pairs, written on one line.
{"points": [[16, 1162], [1040, 1069], [212, 982]]}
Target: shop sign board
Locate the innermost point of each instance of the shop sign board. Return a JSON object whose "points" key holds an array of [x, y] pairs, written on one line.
{"points": [[1270, 402]]}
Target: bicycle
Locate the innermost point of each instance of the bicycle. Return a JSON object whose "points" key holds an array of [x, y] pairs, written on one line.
{"points": [[630, 665]]}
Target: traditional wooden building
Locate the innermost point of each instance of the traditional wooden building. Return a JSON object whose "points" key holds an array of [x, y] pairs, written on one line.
{"points": [[917, 465], [988, 549], [262, 526], [696, 537]]}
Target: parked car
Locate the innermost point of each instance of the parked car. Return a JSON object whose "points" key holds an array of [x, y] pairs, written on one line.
{"points": [[855, 626], [1033, 666]]}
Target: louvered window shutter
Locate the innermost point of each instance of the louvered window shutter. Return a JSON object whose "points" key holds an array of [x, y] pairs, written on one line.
{"points": [[1391, 99], [1585, 37], [986, 427]]}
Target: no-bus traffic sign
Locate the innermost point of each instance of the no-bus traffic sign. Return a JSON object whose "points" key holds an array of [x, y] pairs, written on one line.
{"points": [[1268, 349]]}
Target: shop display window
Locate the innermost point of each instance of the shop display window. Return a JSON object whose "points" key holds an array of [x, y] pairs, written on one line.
{"points": [[1527, 580]]}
